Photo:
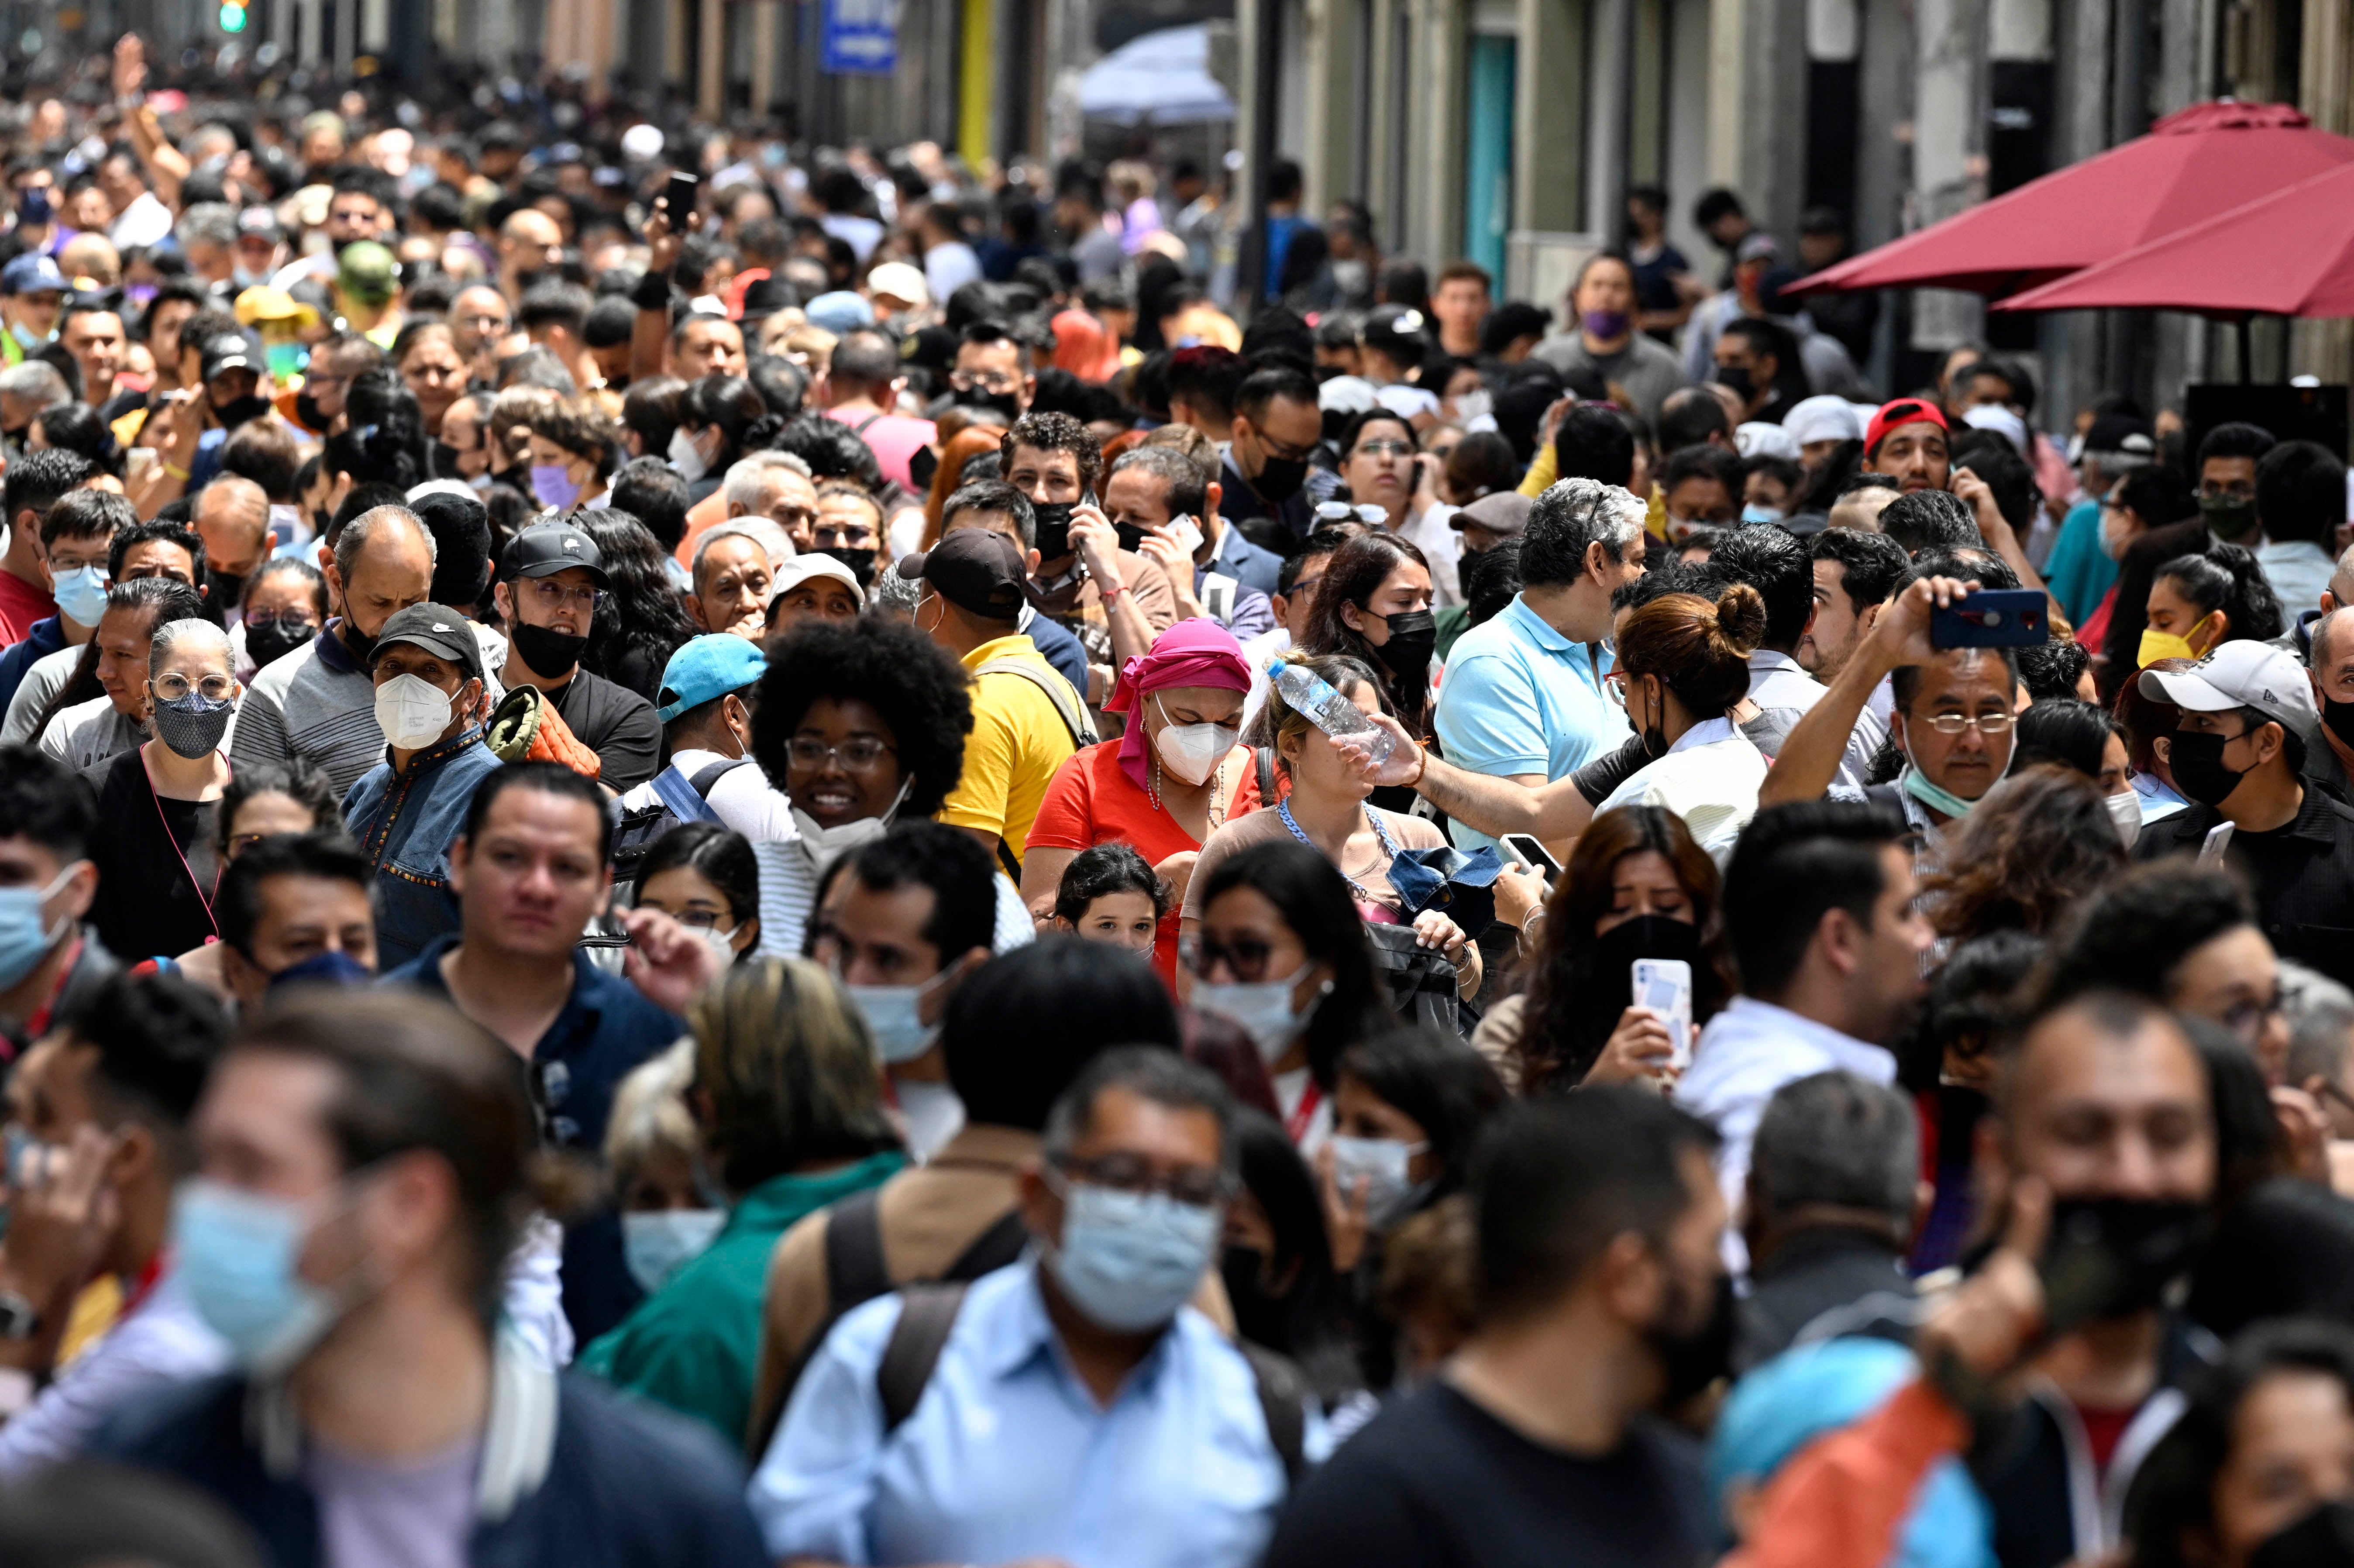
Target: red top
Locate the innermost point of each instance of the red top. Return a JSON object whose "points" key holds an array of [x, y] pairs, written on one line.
{"points": [[2103, 1429], [1091, 801], [21, 604]]}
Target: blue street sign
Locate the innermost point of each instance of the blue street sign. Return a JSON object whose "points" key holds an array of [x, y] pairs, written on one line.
{"points": [[861, 38]]}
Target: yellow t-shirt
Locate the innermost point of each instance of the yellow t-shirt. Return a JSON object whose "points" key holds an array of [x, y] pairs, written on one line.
{"points": [[1018, 740]]}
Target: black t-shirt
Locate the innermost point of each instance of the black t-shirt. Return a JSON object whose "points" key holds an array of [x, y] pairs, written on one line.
{"points": [[157, 867], [618, 725], [1436, 1482]]}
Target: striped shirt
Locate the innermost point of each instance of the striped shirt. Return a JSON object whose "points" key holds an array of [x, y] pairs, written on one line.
{"points": [[788, 891], [316, 704]]}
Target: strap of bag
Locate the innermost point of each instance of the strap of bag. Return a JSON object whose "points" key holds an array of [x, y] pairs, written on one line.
{"points": [[685, 802], [1283, 1400], [854, 1273], [991, 1250], [926, 1313], [861, 428], [1265, 756], [1059, 692], [706, 777]]}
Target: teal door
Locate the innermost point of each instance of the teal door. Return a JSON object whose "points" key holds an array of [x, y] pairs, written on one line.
{"points": [[1487, 151]]}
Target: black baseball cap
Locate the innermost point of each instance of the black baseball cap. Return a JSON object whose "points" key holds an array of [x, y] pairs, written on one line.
{"points": [[437, 629], [545, 549], [976, 569], [230, 351]]}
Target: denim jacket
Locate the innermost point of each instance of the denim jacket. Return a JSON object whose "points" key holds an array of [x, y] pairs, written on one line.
{"points": [[404, 823]]}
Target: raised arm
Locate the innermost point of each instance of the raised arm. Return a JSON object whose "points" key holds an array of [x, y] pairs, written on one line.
{"points": [[165, 165], [1497, 806], [1811, 755], [650, 334]]}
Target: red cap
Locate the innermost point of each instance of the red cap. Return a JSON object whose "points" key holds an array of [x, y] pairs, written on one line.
{"points": [[1903, 411]]}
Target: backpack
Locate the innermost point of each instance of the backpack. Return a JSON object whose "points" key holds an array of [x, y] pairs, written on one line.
{"points": [[678, 799]]}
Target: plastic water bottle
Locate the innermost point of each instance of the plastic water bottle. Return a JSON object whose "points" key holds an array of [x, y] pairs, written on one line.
{"points": [[1312, 696]]}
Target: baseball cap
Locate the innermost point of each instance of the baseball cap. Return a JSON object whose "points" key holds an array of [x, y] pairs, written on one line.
{"points": [[898, 280], [367, 272], [2121, 433], [1504, 513], [1757, 246], [706, 669], [437, 629], [546, 548], [1756, 438], [2244, 674], [260, 223], [1393, 326], [2001, 421], [1825, 417], [764, 297], [1903, 411], [230, 351], [34, 274], [801, 568], [976, 569], [839, 311]]}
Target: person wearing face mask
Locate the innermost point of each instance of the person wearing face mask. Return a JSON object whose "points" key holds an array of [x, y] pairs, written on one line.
{"points": [[104, 710], [318, 702], [232, 515], [1683, 663], [1276, 429], [1374, 607], [709, 694], [1112, 599], [77, 541], [285, 606], [2225, 476], [463, 450], [293, 909], [703, 877], [2238, 752], [49, 958], [2147, 498], [574, 450], [720, 419], [363, 1165], [1172, 779], [781, 1092], [1601, 337], [958, 1216], [550, 579], [104, 1100], [2196, 603], [158, 865], [1601, 1301], [405, 813], [1125, 1202], [849, 527]]}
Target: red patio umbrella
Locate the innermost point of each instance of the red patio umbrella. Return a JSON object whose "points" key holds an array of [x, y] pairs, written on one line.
{"points": [[2290, 253], [2192, 166]]}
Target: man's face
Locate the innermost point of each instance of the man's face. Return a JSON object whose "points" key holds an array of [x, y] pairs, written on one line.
{"points": [[393, 573], [479, 319], [1913, 455], [72, 554], [121, 669], [563, 602], [710, 348], [1734, 352], [95, 340], [2233, 979], [1284, 430], [48, 1095], [993, 369], [1607, 287], [27, 864], [2235, 477], [1129, 1143], [877, 938], [235, 386], [1967, 684], [354, 215], [36, 311], [2247, 748], [530, 879], [845, 523], [2332, 670], [1984, 392], [790, 501], [258, 255], [530, 241], [394, 659], [1292, 609], [1461, 303], [156, 559], [731, 584], [1700, 501], [821, 598], [2095, 1115], [1045, 476], [1137, 499], [301, 918], [163, 324], [234, 533], [1838, 624], [1901, 934]]}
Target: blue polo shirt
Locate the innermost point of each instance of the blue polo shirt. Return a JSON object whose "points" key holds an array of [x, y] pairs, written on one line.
{"points": [[1518, 697], [606, 1029]]}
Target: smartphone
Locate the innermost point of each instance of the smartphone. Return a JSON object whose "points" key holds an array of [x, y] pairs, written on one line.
{"points": [[1186, 532], [1664, 985], [681, 194], [1529, 852], [2218, 839], [1992, 617]]}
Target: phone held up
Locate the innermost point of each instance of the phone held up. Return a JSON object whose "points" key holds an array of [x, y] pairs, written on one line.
{"points": [[1992, 617]]}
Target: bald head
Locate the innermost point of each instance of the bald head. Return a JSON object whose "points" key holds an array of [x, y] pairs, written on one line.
{"points": [[383, 563], [232, 517], [2341, 583]]}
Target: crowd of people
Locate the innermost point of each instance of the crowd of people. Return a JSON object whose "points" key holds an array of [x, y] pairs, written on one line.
{"points": [[858, 873]]}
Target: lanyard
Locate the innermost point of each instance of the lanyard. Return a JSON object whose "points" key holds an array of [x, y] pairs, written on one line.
{"points": [[204, 897], [1295, 1126]]}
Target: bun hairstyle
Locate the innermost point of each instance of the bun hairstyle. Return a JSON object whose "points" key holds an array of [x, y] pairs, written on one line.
{"points": [[1702, 651]]}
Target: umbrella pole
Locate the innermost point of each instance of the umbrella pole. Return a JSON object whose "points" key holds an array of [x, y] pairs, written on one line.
{"points": [[2240, 327]]}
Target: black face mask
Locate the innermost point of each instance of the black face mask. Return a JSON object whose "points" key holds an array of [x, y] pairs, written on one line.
{"points": [[2322, 1539], [306, 409], [545, 653], [1693, 1358], [2197, 760], [1054, 539], [2340, 717], [446, 459], [1735, 378], [361, 644], [860, 562], [266, 641], [242, 411], [1005, 405], [2112, 1258], [1280, 479], [2227, 517], [1130, 537], [1644, 936], [227, 589], [1414, 638], [1259, 1313]]}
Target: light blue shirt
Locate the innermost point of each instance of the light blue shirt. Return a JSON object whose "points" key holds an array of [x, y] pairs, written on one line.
{"points": [[1008, 1456], [2298, 570], [1519, 697]]}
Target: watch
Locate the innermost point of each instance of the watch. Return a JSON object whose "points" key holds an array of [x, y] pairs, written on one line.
{"points": [[18, 1321]]}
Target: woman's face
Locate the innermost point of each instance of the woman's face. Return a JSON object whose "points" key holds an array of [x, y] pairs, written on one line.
{"points": [[665, 1179], [2117, 766], [1245, 940], [1406, 588], [261, 815], [1177, 707], [1643, 883], [694, 901], [283, 597], [1358, 1112], [1122, 919], [2171, 612], [436, 376], [1379, 467], [2120, 523], [1316, 768], [2292, 1451], [2233, 979], [545, 453], [842, 762]]}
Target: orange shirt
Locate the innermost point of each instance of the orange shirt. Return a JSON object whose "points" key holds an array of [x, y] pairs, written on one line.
{"points": [[1091, 802], [703, 515]]}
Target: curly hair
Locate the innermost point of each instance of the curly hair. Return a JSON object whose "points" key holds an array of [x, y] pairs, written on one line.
{"points": [[2035, 844], [641, 615], [916, 688], [1056, 433]]}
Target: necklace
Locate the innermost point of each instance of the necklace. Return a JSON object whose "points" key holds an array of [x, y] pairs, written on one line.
{"points": [[1217, 792], [1381, 834]]}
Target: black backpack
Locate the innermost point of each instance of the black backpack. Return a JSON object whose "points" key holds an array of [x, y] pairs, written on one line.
{"points": [[636, 831]]}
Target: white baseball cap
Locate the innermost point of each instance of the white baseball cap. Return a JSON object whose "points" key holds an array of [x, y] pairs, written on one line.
{"points": [[1823, 418], [802, 567], [2244, 674]]}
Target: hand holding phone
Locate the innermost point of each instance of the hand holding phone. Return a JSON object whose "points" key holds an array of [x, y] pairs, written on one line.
{"points": [[1530, 852], [1664, 985], [1992, 617], [680, 196]]}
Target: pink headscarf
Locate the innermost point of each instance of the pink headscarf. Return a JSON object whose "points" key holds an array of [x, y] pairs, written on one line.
{"points": [[1197, 652], [1083, 347]]}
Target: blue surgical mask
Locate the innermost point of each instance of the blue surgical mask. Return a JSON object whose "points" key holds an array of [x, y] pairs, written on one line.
{"points": [[238, 1256], [26, 338], [333, 966], [25, 938], [1381, 1163], [1262, 1009], [1128, 1260], [82, 594], [1753, 512], [894, 1015], [659, 1242]]}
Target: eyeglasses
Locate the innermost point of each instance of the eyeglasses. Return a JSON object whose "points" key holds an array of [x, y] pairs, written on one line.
{"points": [[2246, 1019], [1954, 724], [841, 536], [1386, 447], [1189, 1184], [1245, 957], [1342, 512], [1617, 682], [863, 754], [551, 595], [1275, 449], [170, 686], [1303, 588], [700, 920], [262, 620]]}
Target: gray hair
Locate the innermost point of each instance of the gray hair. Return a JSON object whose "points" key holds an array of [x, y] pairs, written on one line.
{"points": [[1838, 1140], [649, 1116], [35, 381], [761, 531], [748, 476], [1151, 1073], [2320, 1014], [362, 528], [213, 222], [1570, 516], [172, 633], [893, 593]]}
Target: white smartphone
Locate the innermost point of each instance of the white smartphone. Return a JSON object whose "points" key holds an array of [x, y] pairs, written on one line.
{"points": [[1664, 985], [1186, 533], [1531, 854], [2219, 839]]}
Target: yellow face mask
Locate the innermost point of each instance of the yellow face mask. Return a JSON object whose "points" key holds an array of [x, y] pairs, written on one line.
{"points": [[2157, 645]]}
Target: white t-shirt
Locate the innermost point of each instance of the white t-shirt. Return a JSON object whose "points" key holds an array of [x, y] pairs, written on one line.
{"points": [[1710, 778], [743, 798]]}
